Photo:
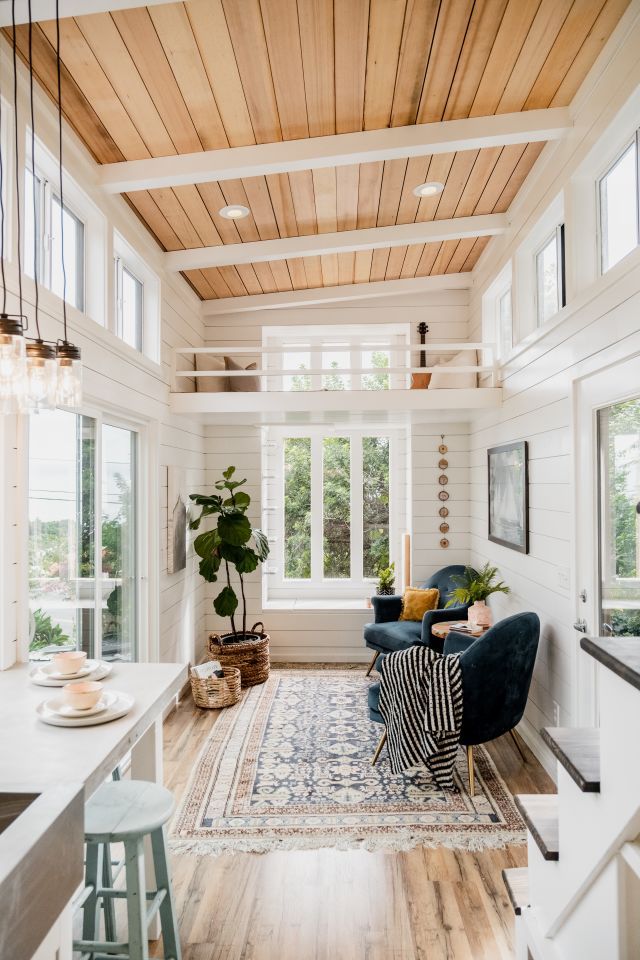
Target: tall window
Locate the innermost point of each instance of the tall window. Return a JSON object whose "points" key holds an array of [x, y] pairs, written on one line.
{"points": [[44, 231], [505, 322], [619, 208], [333, 523], [82, 538], [129, 306], [550, 291]]}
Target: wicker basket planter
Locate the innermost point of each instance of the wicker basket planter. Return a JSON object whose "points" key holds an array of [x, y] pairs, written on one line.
{"points": [[212, 693], [250, 657]]}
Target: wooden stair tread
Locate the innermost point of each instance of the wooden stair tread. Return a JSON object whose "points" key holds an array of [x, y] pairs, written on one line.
{"points": [[620, 654], [578, 750], [516, 880], [540, 813]]}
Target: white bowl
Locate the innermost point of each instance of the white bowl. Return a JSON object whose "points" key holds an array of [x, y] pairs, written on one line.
{"points": [[69, 662], [82, 694]]}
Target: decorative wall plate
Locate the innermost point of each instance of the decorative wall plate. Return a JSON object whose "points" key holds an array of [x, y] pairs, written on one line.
{"points": [[444, 511], [444, 543], [443, 479], [444, 528], [443, 495], [443, 448], [443, 464]]}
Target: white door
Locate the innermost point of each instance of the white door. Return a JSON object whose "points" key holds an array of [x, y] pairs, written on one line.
{"points": [[607, 522]]}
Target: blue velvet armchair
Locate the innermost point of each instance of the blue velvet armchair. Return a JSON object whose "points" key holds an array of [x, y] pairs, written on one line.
{"points": [[387, 633], [496, 675]]}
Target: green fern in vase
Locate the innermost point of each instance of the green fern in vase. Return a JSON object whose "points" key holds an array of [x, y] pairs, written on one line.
{"points": [[473, 586]]}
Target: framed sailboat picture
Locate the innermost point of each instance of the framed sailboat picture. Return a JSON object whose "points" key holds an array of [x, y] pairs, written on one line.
{"points": [[509, 495]]}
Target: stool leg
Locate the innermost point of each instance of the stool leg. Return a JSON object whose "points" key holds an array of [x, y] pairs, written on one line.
{"points": [[168, 919], [136, 899], [108, 904], [91, 905]]}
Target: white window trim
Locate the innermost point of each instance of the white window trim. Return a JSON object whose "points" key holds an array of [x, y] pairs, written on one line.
{"points": [[557, 237], [635, 140], [126, 257], [491, 325], [276, 587], [524, 300]]}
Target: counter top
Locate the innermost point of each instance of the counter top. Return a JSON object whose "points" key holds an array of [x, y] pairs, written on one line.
{"points": [[620, 654]]}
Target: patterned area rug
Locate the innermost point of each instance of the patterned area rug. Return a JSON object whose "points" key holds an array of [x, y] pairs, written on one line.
{"points": [[289, 767]]}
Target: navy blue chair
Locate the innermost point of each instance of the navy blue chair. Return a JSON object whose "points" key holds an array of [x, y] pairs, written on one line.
{"points": [[496, 675], [387, 633]]}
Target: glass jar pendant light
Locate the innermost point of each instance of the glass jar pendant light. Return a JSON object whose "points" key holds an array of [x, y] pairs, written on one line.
{"points": [[13, 364], [42, 377]]}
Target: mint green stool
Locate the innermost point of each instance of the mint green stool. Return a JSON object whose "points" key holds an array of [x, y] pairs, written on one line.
{"points": [[127, 811]]}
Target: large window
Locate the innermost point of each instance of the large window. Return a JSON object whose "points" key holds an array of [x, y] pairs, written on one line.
{"points": [[550, 293], [43, 241], [82, 536], [619, 208], [332, 520]]}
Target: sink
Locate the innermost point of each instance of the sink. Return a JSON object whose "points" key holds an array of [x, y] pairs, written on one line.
{"points": [[41, 861]]}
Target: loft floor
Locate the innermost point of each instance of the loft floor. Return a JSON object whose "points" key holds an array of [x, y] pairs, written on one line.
{"points": [[337, 905]]}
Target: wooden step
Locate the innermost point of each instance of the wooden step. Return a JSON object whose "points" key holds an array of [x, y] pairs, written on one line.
{"points": [[516, 880], [540, 813], [578, 750], [620, 654]]}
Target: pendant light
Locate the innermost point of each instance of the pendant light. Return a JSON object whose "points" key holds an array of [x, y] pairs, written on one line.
{"points": [[69, 391]]}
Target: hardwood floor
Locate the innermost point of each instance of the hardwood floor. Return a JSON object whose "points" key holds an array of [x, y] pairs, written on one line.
{"points": [[336, 905]]}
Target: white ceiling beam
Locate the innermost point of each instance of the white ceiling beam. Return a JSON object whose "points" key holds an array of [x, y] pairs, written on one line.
{"points": [[419, 140], [46, 9], [338, 294], [345, 241]]}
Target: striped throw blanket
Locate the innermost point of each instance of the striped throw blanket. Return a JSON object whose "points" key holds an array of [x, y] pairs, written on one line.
{"points": [[421, 703]]}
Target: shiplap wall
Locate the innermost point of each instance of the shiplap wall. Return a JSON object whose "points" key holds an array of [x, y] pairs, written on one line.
{"points": [[326, 635]]}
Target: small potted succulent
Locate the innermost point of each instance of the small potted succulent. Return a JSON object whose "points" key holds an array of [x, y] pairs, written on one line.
{"points": [[386, 581], [475, 588]]}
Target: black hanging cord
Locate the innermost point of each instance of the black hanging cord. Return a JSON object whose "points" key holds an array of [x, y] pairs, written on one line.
{"points": [[59, 71], [4, 279], [17, 156], [33, 175]]}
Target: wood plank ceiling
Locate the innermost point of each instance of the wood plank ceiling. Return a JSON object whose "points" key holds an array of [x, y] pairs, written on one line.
{"points": [[207, 74]]}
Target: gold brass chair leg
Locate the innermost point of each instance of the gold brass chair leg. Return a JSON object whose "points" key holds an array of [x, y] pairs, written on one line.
{"points": [[520, 750], [471, 772], [376, 654], [381, 743]]}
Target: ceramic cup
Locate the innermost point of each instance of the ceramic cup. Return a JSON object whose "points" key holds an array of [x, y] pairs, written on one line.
{"points": [[69, 661], [82, 694]]}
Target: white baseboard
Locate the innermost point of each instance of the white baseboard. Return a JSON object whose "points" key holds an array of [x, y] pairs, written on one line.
{"points": [[538, 747]]}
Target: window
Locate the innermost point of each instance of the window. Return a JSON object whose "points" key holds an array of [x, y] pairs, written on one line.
{"points": [[129, 306], [329, 515], [505, 323], [619, 208], [82, 536], [43, 241], [550, 294]]}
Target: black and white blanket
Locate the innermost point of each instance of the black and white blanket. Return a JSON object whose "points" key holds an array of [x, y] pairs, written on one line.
{"points": [[421, 703]]}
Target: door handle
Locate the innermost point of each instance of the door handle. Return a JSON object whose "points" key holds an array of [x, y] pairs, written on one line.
{"points": [[580, 625]]}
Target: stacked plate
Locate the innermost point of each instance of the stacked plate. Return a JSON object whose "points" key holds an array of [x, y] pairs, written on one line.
{"points": [[44, 673], [112, 705]]}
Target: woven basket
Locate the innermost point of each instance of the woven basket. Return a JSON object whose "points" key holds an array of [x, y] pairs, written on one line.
{"points": [[212, 693], [250, 657]]}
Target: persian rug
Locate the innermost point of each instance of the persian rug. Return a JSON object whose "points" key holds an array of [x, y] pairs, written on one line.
{"points": [[289, 767]]}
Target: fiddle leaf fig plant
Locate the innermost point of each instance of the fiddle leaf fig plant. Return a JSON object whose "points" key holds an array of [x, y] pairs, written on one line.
{"points": [[232, 544]]}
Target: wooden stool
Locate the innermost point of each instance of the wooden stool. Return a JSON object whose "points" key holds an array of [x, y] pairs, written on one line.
{"points": [[126, 812]]}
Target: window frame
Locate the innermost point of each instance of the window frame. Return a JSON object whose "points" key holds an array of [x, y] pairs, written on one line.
{"points": [[317, 587], [602, 246], [125, 258], [557, 237], [120, 268]]}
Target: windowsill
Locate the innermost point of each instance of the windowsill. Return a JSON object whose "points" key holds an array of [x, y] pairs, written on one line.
{"points": [[303, 604]]}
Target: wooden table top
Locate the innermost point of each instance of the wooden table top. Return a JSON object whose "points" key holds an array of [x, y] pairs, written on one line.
{"points": [[442, 629]]}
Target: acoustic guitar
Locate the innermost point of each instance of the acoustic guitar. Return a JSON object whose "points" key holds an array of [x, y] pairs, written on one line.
{"points": [[420, 381]]}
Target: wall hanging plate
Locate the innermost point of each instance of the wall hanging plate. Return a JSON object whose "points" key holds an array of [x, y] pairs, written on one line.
{"points": [[443, 479], [443, 495], [443, 464], [443, 448], [444, 528], [444, 543], [444, 511]]}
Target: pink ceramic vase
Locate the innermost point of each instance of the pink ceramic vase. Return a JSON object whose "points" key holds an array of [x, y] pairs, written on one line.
{"points": [[479, 614]]}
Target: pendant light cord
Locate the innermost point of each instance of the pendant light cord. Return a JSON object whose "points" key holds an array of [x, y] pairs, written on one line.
{"points": [[17, 154], [33, 176], [59, 72]]}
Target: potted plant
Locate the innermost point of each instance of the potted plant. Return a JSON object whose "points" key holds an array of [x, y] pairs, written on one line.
{"points": [[386, 581], [474, 588], [233, 544]]}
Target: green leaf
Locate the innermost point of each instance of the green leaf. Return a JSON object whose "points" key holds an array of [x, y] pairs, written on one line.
{"points": [[226, 603], [231, 552], [229, 472], [206, 543], [234, 528], [239, 500], [209, 567], [194, 524], [203, 501], [248, 562], [261, 542]]}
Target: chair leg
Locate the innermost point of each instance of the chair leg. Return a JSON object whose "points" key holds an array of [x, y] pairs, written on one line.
{"points": [[168, 918], [376, 654], [381, 743], [136, 899], [515, 740], [471, 771], [108, 904], [91, 906]]}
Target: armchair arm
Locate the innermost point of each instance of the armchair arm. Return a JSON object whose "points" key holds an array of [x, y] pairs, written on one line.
{"points": [[387, 608], [432, 617], [457, 642]]}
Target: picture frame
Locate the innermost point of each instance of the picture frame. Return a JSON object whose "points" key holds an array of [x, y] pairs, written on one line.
{"points": [[177, 521], [508, 495]]}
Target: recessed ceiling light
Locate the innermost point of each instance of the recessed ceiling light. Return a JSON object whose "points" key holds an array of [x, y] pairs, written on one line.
{"points": [[429, 189], [234, 212]]}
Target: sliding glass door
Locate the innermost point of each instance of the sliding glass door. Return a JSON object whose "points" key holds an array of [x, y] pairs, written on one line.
{"points": [[83, 583]]}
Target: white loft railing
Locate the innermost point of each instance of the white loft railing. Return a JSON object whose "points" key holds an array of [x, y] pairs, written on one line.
{"points": [[399, 376]]}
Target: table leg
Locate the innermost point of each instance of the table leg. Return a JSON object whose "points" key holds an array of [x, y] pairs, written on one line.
{"points": [[146, 764]]}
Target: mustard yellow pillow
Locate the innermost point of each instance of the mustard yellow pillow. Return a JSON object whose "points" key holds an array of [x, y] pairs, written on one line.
{"points": [[416, 602]]}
